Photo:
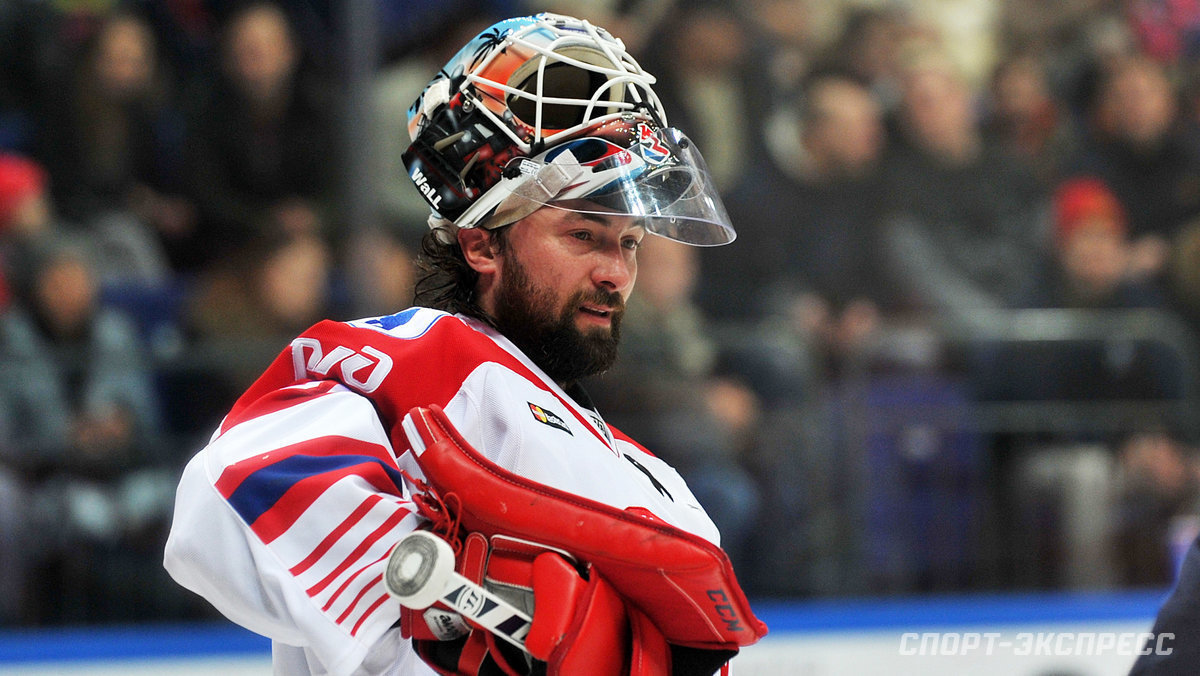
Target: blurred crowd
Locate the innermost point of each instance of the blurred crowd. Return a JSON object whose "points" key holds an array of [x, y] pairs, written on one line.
{"points": [[954, 347]]}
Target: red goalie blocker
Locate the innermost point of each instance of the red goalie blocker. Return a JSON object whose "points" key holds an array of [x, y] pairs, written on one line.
{"points": [[683, 583]]}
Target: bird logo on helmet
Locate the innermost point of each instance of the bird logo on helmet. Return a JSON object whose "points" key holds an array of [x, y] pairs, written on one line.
{"points": [[540, 109]]}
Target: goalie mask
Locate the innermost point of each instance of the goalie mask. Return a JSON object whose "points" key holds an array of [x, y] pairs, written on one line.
{"points": [[549, 110]]}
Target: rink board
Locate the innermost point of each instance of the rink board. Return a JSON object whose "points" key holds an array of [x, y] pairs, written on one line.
{"points": [[1010, 635]]}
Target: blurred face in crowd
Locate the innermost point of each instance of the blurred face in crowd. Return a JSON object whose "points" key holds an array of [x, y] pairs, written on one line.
{"points": [[876, 38], [66, 293], [557, 286], [1095, 256], [709, 40], [293, 281], [843, 132], [1020, 90], [937, 112], [1138, 103], [124, 60], [31, 215], [384, 274], [260, 54], [668, 274], [788, 21], [1158, 458]]}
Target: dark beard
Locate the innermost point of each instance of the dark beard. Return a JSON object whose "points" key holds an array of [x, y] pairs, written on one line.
{"points": [[525, 314]]}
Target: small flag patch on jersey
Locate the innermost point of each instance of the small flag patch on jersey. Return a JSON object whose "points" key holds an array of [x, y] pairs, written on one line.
{"points": [[549, 418]]}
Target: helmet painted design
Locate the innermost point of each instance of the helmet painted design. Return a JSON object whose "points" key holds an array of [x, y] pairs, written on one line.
{"points": [[542, 109]]}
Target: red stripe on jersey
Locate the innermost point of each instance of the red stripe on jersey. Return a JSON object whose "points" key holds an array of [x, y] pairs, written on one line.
{"points": [[334, 597], [233, 475], [276, 520], [276, 400], [355, 516], [369, 611], [361, 593], [361, 549]]}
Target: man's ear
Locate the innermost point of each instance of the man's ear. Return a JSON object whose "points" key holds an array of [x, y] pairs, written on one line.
{"points": [[478, 250]]}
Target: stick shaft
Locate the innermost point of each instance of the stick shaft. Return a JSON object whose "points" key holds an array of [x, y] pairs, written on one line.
{"points": [[420, 572], [486, 609]]}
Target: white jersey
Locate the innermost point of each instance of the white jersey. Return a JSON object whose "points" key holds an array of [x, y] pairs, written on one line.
{"points": [[285, 520]]}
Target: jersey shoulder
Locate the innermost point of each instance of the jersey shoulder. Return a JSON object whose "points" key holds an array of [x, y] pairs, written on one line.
{"points": [[427, 329], [411, 323]]}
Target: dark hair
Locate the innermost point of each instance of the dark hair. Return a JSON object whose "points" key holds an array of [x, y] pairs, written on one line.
{"points": [[445, 281]]}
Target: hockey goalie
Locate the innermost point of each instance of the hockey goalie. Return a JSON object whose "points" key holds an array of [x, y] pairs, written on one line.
{"points": [[432, 492]]}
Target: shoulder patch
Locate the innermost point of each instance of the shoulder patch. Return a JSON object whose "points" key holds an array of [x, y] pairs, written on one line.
{"points": [[547, 417]]}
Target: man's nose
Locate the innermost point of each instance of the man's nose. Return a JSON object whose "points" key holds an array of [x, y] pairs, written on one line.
{"points": [[614, 270]]}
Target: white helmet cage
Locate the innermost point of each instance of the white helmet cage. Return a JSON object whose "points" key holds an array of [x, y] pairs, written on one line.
{"points": [[519, 89]]}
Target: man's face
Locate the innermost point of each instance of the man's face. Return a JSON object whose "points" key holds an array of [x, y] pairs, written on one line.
{"points": [[560, 294], [1140, 104], [937, 111], [260, 55], [846, 134]]}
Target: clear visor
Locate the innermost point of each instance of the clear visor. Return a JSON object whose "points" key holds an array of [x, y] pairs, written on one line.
{"points": [[660, 180]]}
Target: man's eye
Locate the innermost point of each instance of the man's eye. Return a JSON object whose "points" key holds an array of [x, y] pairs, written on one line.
{"points": [[582, 235], [632, 243]]}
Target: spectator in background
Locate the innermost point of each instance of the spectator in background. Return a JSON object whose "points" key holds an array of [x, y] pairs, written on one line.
{"points": [[110, 139], [274, 285], [382, 274], [965, 223], [1166, 31], [260, 147], [1159, 487], [1075, 41], [807, 223], [1090, 270], [786, 38], [803, 284], [1025, 119], [1057, 486], [1092, 254], [706, 77], [24, 219], [672, 396], [869, 47], [78, 414], [1140, 148]]}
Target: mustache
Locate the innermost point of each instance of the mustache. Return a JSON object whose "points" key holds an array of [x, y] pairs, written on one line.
{"points": [[611, 299]]}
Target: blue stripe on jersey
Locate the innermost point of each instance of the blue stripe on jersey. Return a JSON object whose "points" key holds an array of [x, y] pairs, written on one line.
{"points": [[262, 489], [425, 318], [390, 322]]}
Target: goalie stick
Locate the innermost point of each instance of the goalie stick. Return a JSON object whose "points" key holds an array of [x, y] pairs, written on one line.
{"points": [[420, 572]]}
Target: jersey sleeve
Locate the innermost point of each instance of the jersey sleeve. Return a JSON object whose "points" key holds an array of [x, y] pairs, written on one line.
{"points": [[284, 522]]}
